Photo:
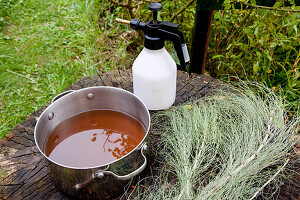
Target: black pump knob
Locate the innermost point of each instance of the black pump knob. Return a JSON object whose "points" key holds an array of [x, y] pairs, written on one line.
{"points": [[154, 7]]}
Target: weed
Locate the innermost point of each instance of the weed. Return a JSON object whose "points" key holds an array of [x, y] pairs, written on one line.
{"points": [[258, 45]]}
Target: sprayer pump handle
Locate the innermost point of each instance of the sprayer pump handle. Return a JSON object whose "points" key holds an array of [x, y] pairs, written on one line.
{"points": [[154, 7]]}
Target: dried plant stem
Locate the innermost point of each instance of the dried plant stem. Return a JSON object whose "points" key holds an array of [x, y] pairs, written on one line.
{"points": [[150, 1], [71, 17], [33, 81], [271, 179], [187, 186], [195, 165], [296, 61], [181, 10], [199, 153], [130, 5], [271, 8], [189, 172], [247, 161], [127, 5], [237, 29], [180, 195]]}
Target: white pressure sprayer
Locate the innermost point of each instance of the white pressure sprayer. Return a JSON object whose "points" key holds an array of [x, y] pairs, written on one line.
{"points": [[154, 70]]}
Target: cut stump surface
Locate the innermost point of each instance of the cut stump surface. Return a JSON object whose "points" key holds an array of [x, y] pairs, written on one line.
{"points": [[23, 171]]}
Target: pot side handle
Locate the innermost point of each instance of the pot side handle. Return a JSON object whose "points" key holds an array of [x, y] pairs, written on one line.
{"points": [[101, 173], [61, 95]]}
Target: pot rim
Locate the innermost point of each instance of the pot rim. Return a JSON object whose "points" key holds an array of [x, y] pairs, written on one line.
{"points": [[98, 166]]}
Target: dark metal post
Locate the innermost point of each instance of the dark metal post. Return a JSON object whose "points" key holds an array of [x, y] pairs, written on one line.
{"points": [[203, 19], [200, 40]]}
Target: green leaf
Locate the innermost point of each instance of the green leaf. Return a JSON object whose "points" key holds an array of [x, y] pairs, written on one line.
{"points": [[217, 56], [227, 6], [278, 4], [258, 54], [228, 47], [296, 29], [269, 57], [217, 15], [256, 67], [253, 2], [256, 31], [273, 45]]}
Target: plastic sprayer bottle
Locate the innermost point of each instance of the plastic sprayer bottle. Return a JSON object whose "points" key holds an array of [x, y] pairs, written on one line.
{"points": [[154, 70]]}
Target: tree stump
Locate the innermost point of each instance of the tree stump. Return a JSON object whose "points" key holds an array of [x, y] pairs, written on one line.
{"points": [[23, 170]]}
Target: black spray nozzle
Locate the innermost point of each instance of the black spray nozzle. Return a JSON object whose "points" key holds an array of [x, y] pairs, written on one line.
{"points": [[156, 32], [137, 24]]}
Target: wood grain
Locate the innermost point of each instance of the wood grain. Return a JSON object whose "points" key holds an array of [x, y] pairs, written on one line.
{"points": [[23, 171]]}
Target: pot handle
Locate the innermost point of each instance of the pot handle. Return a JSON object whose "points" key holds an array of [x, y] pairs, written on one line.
{"points": [[101, 173], [61, 95]]}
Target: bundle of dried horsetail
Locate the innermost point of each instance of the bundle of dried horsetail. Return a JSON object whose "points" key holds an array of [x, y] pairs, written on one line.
{"points": [[231, 145]]}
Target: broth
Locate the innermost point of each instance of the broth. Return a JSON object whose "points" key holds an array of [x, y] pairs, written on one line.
{"points": [[94, 138]]}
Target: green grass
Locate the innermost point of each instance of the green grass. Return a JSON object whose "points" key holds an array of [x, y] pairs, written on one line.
{"points": [[45, 46]]}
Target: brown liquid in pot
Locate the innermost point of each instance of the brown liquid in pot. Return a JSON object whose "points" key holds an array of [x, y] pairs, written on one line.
{"points": [[94, 138]]}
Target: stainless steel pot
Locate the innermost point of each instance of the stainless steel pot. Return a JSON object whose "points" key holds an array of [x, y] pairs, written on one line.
{"points": [[100, 181]]}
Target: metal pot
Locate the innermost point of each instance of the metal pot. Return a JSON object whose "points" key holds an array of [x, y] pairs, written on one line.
{"points": [[100, 181]]}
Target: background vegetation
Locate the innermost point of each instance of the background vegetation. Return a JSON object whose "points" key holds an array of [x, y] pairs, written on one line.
{"points": [[260, 45], [45, 46]]}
